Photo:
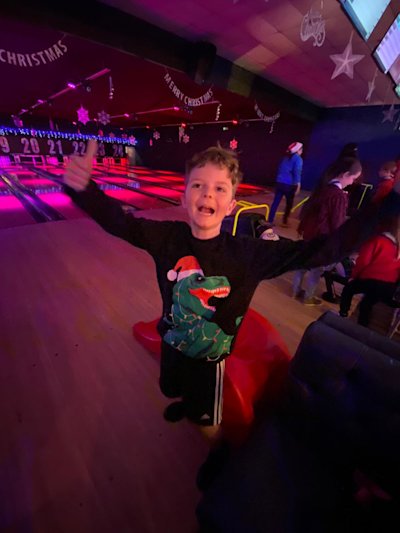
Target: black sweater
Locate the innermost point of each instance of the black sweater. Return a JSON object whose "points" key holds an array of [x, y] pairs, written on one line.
{"points": [[206, 285]]}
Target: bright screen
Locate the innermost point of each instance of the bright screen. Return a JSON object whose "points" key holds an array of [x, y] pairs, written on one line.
{"points": [[365, 14], [388, 51]]}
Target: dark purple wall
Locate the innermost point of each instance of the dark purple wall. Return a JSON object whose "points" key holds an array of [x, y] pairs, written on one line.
{"points": [[259, 151], [378, 142]]}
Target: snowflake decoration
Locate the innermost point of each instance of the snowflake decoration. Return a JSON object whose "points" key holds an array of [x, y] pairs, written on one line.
{"points": [[344, 63], [186, 139], [156, 135], [104, 118], [233, 144], [83, 115]]}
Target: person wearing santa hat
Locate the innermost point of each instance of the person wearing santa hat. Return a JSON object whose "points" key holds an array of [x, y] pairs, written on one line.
{"points": [[288, 181], [197, 262]]}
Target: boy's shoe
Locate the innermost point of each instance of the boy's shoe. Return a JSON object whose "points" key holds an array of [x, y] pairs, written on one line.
{"points": [[174, 412], [212, 466], [313, 300]]}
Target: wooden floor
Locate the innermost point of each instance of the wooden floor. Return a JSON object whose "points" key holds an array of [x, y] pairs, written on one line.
{"points": [[83, 445]]}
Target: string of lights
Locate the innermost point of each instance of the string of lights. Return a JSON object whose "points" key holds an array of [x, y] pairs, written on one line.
{"points": [[5, 130]]}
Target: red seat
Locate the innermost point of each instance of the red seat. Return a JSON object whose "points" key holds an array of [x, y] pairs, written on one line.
{"points": [[255, 370]]}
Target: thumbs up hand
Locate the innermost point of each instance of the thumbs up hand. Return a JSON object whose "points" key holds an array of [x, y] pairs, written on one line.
{"points": [[79, 169]]}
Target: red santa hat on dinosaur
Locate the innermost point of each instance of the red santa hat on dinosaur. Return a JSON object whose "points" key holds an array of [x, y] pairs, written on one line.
{"points": [[185, 267]]}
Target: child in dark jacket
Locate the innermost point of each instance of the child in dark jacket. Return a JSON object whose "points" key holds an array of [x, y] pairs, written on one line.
{"points": [[323, 213], [207, 277], [375, 274]]}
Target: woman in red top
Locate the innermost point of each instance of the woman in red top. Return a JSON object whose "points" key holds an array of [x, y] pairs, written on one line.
{"points": [[376, 272]]}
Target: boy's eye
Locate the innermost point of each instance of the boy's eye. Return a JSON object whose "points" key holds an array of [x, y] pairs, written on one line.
{"points": [[196, 185], [221, 189]]}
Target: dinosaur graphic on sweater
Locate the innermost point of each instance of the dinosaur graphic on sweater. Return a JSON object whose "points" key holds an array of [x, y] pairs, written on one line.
{"points": [[192, 331]]}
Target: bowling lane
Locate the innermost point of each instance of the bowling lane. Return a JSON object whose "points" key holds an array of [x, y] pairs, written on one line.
{"points": [[130, 197], [13, 213], [170, 179], [50, 192], [63, 204], [37, 183], [162, 194]]}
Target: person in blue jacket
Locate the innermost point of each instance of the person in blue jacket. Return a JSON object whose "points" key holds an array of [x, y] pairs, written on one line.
{"points": [[288, 181]]}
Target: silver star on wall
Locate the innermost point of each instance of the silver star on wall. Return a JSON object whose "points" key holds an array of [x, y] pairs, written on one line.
{"points": [[346, 61], [389, 114]]}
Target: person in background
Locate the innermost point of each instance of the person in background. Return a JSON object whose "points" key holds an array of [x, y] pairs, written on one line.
{"points": [[288, 181], [323, 213], [376, 272], [386, 180]]}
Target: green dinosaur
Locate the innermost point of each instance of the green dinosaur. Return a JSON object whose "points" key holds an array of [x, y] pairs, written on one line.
{"points": [[192, 331]]}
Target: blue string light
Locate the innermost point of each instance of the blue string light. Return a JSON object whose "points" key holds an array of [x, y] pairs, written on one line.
{"points": [[4, 130]]}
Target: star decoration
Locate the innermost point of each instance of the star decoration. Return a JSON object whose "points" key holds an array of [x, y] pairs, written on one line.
{"points": [[83, 115], [345, 62], [371, 87], [186, 139], [104, 118], [156, 135], [389, 114], [233, 144]]}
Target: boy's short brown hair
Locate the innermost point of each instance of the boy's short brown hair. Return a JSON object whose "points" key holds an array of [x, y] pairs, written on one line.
{"points": [[221, 158]]}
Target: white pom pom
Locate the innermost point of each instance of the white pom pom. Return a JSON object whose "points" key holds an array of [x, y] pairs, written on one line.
{"points": [[172, 275]]}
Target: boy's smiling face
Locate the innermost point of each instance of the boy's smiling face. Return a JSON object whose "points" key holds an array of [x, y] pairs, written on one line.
{"points": [[208, 198]]}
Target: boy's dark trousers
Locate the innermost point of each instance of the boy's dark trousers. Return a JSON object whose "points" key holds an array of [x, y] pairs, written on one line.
{"points": [[282, 189], [374, 291]]}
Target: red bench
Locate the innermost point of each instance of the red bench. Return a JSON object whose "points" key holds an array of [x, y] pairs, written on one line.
{"points": [[255, 370]]}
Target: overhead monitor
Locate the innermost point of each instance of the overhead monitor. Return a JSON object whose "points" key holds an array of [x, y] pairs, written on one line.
{"points": [[388, 51], [365, 14], [394, 71]]}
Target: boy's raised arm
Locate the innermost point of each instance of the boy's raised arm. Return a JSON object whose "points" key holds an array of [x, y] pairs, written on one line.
{"points": [[275, 258], [106, 211]]}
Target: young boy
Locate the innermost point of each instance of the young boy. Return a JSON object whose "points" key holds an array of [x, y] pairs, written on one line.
{"points": [[386, 180], [206, 278]]}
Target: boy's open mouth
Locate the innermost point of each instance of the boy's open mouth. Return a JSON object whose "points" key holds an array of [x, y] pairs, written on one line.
{"points": [[206, 210]]}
